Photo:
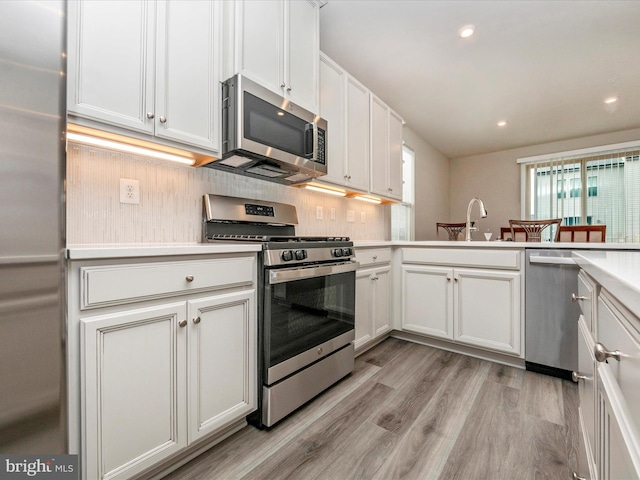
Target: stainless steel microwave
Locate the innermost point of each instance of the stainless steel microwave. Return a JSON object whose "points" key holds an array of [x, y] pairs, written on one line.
{"points": [[267, 136]]}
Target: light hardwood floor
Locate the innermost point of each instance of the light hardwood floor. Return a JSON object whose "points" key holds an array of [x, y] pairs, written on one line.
{"points": [[415, 412]]}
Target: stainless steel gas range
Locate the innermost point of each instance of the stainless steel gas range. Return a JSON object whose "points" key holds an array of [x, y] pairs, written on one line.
{"points": [[306, 302]]}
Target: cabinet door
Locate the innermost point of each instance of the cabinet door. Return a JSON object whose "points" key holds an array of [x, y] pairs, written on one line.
{"points": [[364, 313], [187, 72], [357, 135], [379, 147], [395, 156], [111, 62], [487, 309], [332, 88], [382, 305], [259, 42], [133, 398], [620, 440], [301, 48], [586, 391], [222, 361], [427, 303]]}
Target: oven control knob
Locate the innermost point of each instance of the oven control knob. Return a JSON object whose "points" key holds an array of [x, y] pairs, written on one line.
{"points": [[301, 254], [337, 252], [346, 252], [287, 255]]}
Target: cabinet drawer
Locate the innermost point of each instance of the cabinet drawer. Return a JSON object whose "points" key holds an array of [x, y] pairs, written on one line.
{"points": [[586, 294], [464, 257], [118, 284], [373, 256], [616, 332]]}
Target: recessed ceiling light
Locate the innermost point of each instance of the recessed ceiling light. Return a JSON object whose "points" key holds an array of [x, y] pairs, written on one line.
{"points": [[502, 123], [466, 31], [611, 100]]}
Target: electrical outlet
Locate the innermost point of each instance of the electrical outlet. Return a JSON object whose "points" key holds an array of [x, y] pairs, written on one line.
{"points": [[319, 212], [351, 216], [333, 213], [362, 217], [129, 191]]}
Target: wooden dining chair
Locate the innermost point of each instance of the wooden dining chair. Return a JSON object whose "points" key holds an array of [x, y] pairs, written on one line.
{"points": [[583, 233], [452, 229], [533, 228]]}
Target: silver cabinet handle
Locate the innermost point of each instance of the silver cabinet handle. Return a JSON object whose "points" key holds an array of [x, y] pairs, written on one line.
{"points": [[283, 85], [182, 323], [196, 320], [320, 351], [288, 89], [163, 120], [576, 377], [575, 298], [575, 476], [150, 115], [601, 353], [375, 257], [189, 278]]}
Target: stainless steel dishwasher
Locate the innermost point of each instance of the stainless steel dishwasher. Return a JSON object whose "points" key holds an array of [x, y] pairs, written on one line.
{"points": [[551, 318]]}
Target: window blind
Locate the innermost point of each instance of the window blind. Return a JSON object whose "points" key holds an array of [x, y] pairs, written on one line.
{"points": [[598, 189]]}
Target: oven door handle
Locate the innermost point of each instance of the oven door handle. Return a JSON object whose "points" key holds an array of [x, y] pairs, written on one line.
{"points": [[290, 274]]}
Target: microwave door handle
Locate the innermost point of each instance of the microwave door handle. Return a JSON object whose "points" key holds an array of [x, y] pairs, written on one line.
{"points": [[311, 140]]}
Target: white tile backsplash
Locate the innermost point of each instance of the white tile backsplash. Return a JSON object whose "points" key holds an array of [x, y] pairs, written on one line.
{"points": [[170, 209]]}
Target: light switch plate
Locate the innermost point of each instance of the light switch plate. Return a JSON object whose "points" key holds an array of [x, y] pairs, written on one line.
{"points": [[363, 217], [351, 216], [319, 213], [333, 213]]}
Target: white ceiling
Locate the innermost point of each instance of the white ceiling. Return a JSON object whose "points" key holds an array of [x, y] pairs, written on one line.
{"points": [[543, 66]]}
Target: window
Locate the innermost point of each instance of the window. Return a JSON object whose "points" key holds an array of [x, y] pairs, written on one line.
{"points": [[402, 213], [553, 186]]}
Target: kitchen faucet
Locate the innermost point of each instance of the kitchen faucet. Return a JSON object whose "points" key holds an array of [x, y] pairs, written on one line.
{"points": [[483, 213]]}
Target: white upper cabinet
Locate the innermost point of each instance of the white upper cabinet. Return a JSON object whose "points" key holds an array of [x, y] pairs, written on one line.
{"points": [[386, 150], [344, 103], [277, 45], [148, 67], [188, 92], [111, 70]]}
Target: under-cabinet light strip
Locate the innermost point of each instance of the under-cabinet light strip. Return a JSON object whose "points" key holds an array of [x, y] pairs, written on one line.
{"points": [[123, 147], [325, 190], [368, 199]]}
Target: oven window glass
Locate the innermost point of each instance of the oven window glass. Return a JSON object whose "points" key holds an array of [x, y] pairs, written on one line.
{"points": [[302, 314], [268, 125]]}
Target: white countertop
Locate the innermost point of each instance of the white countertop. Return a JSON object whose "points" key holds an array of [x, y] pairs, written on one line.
{"points": [[617, 272], [498, 244], [93, 252]]}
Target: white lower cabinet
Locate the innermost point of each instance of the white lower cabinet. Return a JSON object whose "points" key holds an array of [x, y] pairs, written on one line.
{"points": [[373, 296], [159, 376], [474, 306], [609, 386], [134, 407]]}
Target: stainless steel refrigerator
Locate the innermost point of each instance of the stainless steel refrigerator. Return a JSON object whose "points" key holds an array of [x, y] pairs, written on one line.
{"points": [[32, 162]]}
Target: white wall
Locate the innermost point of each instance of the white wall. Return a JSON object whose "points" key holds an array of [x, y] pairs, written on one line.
{"points": [[431, 187], [170, 209], [495, 178]]}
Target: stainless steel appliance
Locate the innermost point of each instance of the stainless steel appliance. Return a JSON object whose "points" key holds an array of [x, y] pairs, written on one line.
{"points": [[551, 318], [306, 302], [266, 136], [32, 162]]}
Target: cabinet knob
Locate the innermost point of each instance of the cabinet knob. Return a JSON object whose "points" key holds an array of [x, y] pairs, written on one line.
{"points": [[575, 476], [348, 177], [163, 120], [375, 257], [455, 279], [197, 320], [576, 377], [575, 298], [601, 353], [320, 350], [189, 278], [182, 323], [288, 89], [448, 279], [150, 115], [282, 85]]}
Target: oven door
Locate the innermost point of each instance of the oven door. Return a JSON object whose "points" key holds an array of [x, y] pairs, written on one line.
{"points": [[309, 312]]}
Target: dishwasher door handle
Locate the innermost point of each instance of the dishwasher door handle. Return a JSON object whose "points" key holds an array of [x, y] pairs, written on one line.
{"points": [[540, 259]]}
